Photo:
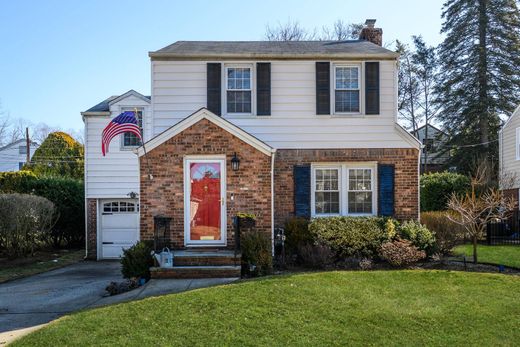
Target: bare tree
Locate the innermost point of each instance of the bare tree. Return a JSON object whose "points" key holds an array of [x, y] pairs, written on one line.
{"points": [[293, 31], [341, 31], [474, 211], [408, 89], [40, 132], [290, 31], [4, 126]]}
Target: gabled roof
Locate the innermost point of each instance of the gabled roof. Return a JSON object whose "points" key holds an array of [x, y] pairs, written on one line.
{"points": [[195, 117], [104, 106], [17, 142], [350, 49], [431, 127]]}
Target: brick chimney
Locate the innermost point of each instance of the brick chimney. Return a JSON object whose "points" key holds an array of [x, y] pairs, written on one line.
{"points": [[371, 33]]}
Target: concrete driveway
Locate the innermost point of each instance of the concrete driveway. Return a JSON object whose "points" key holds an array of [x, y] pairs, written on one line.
{"points": [[27, 303], [41, 298]]}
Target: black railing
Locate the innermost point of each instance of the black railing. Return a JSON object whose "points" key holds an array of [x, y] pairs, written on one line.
{"points": [[504, 232]]}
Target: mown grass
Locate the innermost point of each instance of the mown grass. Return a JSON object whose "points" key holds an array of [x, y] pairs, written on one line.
{"points": [[379, 308], [500, 255], [43, 261]]}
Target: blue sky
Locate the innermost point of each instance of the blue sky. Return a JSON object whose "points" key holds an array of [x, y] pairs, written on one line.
{"points": [[58, 58]]}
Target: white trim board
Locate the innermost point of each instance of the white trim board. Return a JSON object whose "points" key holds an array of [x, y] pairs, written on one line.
{"points": [[204, 113]]}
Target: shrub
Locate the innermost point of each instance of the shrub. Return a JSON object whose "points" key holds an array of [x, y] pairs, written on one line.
{"points": [[315, 256], [400, 253], [436, 189], [68, 196], [257, 259], [137, 260], [366, 264], [447, 233], [16, 182], [297, 234], [349, 236], [418, 235], [24, 222]]}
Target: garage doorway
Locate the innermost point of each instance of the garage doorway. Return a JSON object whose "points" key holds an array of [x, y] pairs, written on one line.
{"points": [[119, 226]]}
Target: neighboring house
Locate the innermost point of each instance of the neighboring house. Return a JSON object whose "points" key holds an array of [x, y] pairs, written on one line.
{"points": [[14, 155], [432, 159], [312, 126], [509, 155]]}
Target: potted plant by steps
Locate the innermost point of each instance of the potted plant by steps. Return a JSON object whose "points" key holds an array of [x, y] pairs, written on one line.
{"points": [[246, 220]]}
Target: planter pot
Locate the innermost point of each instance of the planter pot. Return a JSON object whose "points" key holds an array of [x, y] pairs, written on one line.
{"points": [[246, 223]]}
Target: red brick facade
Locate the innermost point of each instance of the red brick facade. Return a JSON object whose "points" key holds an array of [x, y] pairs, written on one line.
{"points": [[164, 193], [91, 229], [406, 175]]}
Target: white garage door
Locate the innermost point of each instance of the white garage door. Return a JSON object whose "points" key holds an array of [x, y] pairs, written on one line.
{"points": [[119, 226]]}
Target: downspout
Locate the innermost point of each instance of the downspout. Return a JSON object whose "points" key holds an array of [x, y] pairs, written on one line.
{"points": [[419, 181], [85, 134], [273, 155]]}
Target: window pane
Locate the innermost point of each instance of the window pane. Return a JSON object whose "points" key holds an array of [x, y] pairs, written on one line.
{"points": [[347, 100], [347, 78], [238, 102], [327, 179], [131, 140], [327, 202], [360, 202], [360, 179], [239, 79], [22, 150]]}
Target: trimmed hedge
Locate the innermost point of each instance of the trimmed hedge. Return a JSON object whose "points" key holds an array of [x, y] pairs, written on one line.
{"points": [[350, 236], [436, 189], [68, 196]]}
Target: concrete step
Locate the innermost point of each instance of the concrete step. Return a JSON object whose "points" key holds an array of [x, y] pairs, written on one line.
{"points": [[222, 271]]}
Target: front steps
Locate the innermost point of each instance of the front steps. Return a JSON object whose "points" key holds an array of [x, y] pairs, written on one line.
{"points": [[200, 263]]}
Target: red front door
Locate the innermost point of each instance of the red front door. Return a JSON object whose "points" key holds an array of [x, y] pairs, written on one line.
{"points": [[205, 220]]}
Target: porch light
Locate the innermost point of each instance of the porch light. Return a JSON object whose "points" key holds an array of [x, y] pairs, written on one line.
{"points": [[235, 162]]}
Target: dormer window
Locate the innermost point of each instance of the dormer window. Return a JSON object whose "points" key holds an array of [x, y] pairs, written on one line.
{"points": [[346, 89], [130, 140], [238, 90]]}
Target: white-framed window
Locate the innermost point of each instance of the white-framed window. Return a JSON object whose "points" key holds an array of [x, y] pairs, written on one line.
{"points": [[22, 149], [517, 142], [120, 207], [347, 89], [343, 189], [327, 191], [130, 140], [239, 91]]}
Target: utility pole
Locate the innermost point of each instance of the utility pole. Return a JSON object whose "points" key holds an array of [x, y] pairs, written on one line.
{"points": [[28, 145]]}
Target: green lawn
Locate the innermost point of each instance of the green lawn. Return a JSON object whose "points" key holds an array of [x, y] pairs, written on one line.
{"points": [[390, 308], [41, 262], [501, 255]]}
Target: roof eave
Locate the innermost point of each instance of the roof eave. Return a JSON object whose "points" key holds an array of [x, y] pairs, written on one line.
{"points": [[99, 113], [303, 56]]}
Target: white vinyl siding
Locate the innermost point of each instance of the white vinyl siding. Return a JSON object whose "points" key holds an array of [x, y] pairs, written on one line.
{"points": [[179, 89], [509, 149], [117, 174]]}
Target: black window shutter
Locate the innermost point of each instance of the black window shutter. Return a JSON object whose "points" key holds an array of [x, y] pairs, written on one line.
{"points": [[322, 88], [214, 85], [302, 190], [386, 189], [372, 87], [263, 89]]}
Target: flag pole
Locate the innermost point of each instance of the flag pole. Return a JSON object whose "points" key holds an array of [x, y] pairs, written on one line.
{"points": [[150, 176]]}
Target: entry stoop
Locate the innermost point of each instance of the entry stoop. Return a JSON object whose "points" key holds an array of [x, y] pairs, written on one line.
{"points": [[200, 264]]}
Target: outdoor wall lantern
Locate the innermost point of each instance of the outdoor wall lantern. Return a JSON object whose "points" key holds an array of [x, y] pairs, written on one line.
{"points": [[235, 162]]}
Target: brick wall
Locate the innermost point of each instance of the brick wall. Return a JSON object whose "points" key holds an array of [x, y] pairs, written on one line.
{"points": [[406, 175], [91, 229], [164, 194]]}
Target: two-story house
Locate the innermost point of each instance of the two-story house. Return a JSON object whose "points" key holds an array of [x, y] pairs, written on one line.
{"points": [[13, 156], [276, 129]]}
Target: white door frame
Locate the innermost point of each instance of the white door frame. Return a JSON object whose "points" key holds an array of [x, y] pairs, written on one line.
{"points": [[221, 159]]}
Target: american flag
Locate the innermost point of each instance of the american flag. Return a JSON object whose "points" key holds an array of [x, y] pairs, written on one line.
{"points": [[126, 122]]}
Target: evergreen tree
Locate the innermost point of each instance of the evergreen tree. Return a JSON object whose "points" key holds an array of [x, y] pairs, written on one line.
{"points": [[479, 80], [58, 155]]}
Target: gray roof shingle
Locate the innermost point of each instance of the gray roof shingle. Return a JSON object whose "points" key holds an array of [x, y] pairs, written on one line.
{"points": [[274, 49]]}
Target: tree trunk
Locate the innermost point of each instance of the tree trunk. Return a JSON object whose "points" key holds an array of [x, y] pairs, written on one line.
{"points": [[475, 249], [482, 76]]}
